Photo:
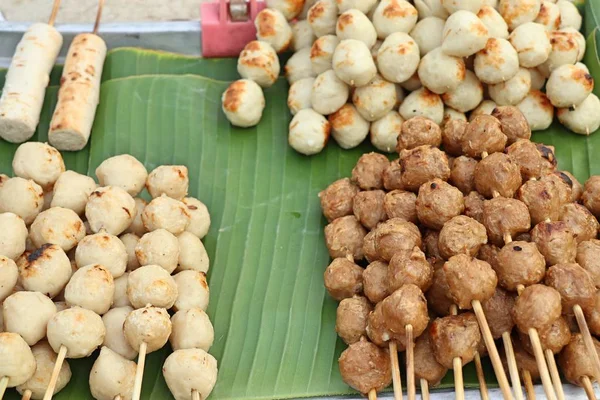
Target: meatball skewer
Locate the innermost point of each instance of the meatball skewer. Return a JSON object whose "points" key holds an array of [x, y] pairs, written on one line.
{"points": [[366, 367], [578, 365]]}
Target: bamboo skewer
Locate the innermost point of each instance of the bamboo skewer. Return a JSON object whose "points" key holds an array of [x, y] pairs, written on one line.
{"points": [[98, 17], [424, 389], [513, 369], [589, 389], [139, 372], [3, 385], [372, 394], [459, 386], [539, 356], [483, 390], [26, 395], [529, 389], [560, 394], [118, 397], [195, 395], [587, 338], [396, 378], [54, 12], [62, 353], [410, 364]]}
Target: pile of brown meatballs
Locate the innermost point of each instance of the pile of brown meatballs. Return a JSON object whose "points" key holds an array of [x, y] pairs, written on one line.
{"points": [[469, 211]]}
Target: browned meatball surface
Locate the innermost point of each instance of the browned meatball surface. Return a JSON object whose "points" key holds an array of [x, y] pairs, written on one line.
{"points": [[519, 263], [406, 306], [351, 318], [343, 279], [489, 254], [563, 186], [426, 366], [455, 336], [369, 247], [483, 134], [378, 331], [512, 123], [574, 285], [423, 164], [591, 195], [503, 216], [555, 241], [469, 279], [462, 174], [401, 204], [542, 198], [580, 221], [336, 199], [438, 295], [368, 172], [497, 174], [431, 243], [392, 176], [461, 235], [418, 131], [525, 361], [592, 315], [409, 268], [537, 307], [396, 235], [474, 206], [364, 367], [575, 360], [588, 256], [498, 310], [452, 136], [554, 337], [368, 208], [375, 283], [576, 186], [534, 159], [344, 236], [438, 202]]}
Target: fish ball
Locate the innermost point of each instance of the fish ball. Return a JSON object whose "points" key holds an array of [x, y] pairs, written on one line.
{"points": [[348, 127], [411, 84], [130, 241], [28, 313], [166, 213], [353, 63], [569, 85], [159, 247], [150, 325], [46, 270], [538, 80], [464, 34], [519, 12], [57, 225], [9, 274], [537, 109], [13, 237], [585, 119], [441, 73], [513, 91], [569, 15], [565, 50], [243, 103], [192, 254], [22, 197], [497, 62], [187, 370], [199, 217], [321, 53], [272, 28], [299, 96], [493, 21], [451, 114], [353, 24], [39, 162], [384, 132], [191, 329], [91, 287], [258, 62], [322, 17], [45, 359], [102, 248], [485, 108], [580, 39], [329, 93], [532, 43], [363, 6], [398, 57], [309, 132], [120, 298], [549, 15], [112, 376], [392, 16], [454, 6], [193, 290], [467, 96], [110, 208], [80, 330], [375, 99], [424, 103], [431, 8], [152, 285], [16, 359], [72, 190], [115, 337], [124, 171], [429, 34], [137, 226], [299, 66]]}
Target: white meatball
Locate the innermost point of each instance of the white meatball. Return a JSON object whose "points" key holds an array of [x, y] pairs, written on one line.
{"points": [[494, 22], [424, 103], [454, 6], [80, 330], [124, 171], [61, 305], [110, 208], [585, 119], [538, 80], [464, 34], [485, 108], [375, 99], [159, 247], [348, 127], [384, 132], [532, 43], [353, 24], [187, 370], [13, 236], [441, 73], [565, 50], [9, 274], [322, 17], [150, 325], [16, 359], [307, 5], [22, 197], [299, 66], [243, 103], [45, 359], [120, 299], [258, 62], [39, 162], [45, 270], [329, 93], [300, 94], [91, 287], [172, 180], [309, 132], [102, 248], [363, 6], [272, 28], [321, 53], [3, 178], [28, 313], [569, 15], [467, 95], [519, 12], [569, 85], [57, 225], [392, 16], [353, 63], [199, 217], [451, 114], [115, 337], [289, 8], [193, 290], [549, 15], [497, 62], [192, 254], [167, 213], [429, 34], [580, 39], [512, 91], [112, 376], [398, 57], [151, 284], [537, 109], [137, 226], [431, 8], [411, 84], [191, 329], [130, 241], [399, 95], [72, 190]]}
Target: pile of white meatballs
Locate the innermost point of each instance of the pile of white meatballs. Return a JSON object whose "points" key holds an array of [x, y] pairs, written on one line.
{"points": [[362, 67], [84, 266]]}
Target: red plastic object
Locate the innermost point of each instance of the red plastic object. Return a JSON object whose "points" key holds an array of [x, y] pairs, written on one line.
{"points": [[222, 37]]}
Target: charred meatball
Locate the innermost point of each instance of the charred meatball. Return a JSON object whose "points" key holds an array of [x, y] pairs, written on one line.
{"points": [[574, 285], [452, 136], [438, 295], [351, 318], [537, 307], [406, 306], [418, 131], [461, 235], [576, 186], [483, 135], [592, 315], [409, 267], [422, 164], [512, 123], [401, 204], [469, 279], [503, 216], [497, 174], [438, 202], [396, 235], [364, 367], [375, 281], [392, 176], [520, 263], [431, 243], [368, 172], [591, 195], [345, 236], [542, 198], [474, 206], [580, 221], [369, 247], [455, 336], [336, 199], [587, 257], [368, 208], [563, 185], [498, 310], [462, 174], [576, 361], [534, 159], [343, 279], [489, 254], [555, 241], [554, 337], [426, 366]]}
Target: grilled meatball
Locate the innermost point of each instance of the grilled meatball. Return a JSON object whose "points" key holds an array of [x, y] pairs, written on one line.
{"points": [[474, 206], [406, 306], [375, 283], [525, 361], [401, 204], [423, 164], [483, 134], [392, 176], [498, 310], [587, 258], [534, 159], [409, 267], [378, 331], [574, 284], [503, 216], [591, 195], [554, 337], [418, 131], [537, 307], [368, 172], [364, 367], [344, 236], [592, 315], [431, 244], [512, 123], [426, 366], [368, 208], [336, 199], [461, 235], [469, 279], [580, 221], [497, 173], [555, 241], [520, 263], [563, 185], [369, 246], [542, 198], [462, 174], [452, 136], [489, 254], [575, 360], [438, 202], [455, 336], [351, 318], [438, 295], [343, 279], [576, 186], [396, 235]]}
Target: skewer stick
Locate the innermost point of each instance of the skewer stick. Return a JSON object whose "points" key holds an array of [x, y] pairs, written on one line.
{"points": [[3, 385], [483, 390], [372, 394], [139, 372], [26, 395], [396, 378], [539, 356], [98, 17], [424, 389], [118, 397], [459, 385], [60, 358], [587, 338], [195, 395], [560, 394], [410, 364], [513, 370], [529, 389], [589, 389], [54, 12]]}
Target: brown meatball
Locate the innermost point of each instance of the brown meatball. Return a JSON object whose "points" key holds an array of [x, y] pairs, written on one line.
{"points": [[409, 267], [469, 279], [418, 131], [592, 315], [368, 172], [587, 257], [489, 254], [423, 164], [462, 174], [576, 186], [378, 331], [503, 216], [431, 243], [542, 198], [534, 159], [364, 367], [336, 199], [351, 318], [375, 283], [575, 360], [461, 235], [591, 195], [574, 284], [563, 186], [392, 176], [523, 237], [369, 247], [406, 306], [343, 279], [554, 337], [512, 123], [455, 336], [438, 295], [525, 361], [555, 241], [498, 310], [452, 136], [474, 206], [483, 135], [396, 235], [520, 263], [438, 202], [426, 366], [537, 307], [401, 204], [368, 208], [345, 236], [580, 221], [497, 174]]}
